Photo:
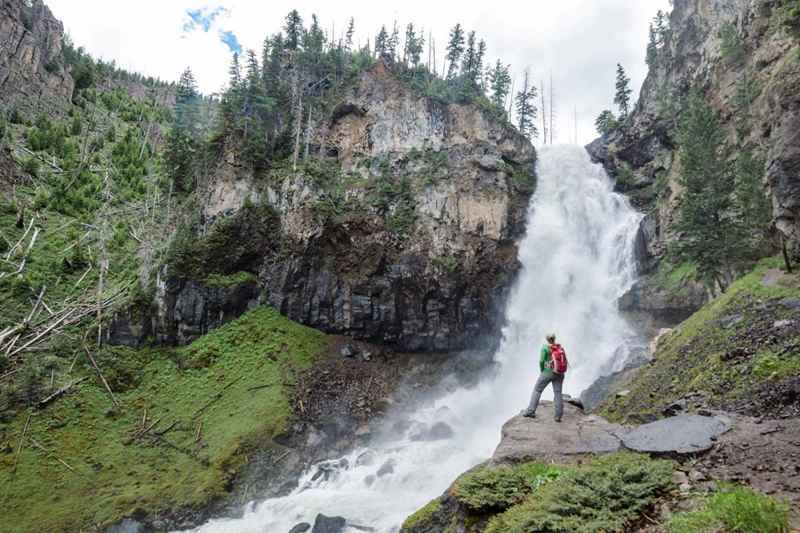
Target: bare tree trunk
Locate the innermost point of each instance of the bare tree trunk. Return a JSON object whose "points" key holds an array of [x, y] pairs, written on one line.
{"points": [[552, 109], [308, 133], [511, 97], [785, 253], [544, 114]]}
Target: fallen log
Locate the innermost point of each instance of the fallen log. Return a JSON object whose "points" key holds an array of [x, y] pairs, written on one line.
{"points": [[60, 392]]}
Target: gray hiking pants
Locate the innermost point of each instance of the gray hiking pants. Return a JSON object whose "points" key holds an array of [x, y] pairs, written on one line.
{"points": [[545, 378]]}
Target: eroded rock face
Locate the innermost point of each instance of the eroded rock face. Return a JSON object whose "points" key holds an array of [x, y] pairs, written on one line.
{"points": [[432, 281], [693, 57], [32, 75]]}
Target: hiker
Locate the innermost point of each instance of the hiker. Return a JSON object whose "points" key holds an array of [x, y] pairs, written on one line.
{"points": [[553, 366]]}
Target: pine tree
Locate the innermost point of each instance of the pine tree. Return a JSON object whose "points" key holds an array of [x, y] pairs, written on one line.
{"points": [[526, 108], [348, 38], [412, 51], [479, 56], [662, 27], [499, 83], [393, 42], [606, 122], [623, 96], [182, 140], [752, 201], [469, 61], [652, 48], [710, 234], [294, 30], [455, 47], [381, 42]]}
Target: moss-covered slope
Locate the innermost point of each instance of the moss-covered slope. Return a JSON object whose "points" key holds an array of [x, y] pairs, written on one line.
{"points": [[740, 352], [186, 420]]}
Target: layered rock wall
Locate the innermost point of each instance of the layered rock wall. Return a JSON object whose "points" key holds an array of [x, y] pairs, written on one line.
{"points": [[32, 75], [400, 225]]}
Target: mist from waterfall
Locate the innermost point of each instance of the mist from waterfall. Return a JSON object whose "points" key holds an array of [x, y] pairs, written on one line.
{"points": [[577, 259]]}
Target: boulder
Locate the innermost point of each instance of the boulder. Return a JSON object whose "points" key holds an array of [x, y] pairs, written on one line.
{"points": [[329, 524], [386, 468], [680, 434], [302, 527]]}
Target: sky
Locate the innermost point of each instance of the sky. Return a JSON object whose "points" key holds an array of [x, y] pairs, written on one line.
{"points": [[578, 42]]}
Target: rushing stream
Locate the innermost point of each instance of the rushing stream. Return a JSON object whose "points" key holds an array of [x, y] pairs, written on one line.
{"points": [[577, 260]]}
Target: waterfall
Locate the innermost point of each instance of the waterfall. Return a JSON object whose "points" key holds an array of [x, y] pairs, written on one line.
{"points": [[577, 259]]}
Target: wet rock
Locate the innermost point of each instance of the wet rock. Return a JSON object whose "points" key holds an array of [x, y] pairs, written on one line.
{"points": [[542, 438], [302, 527], [127, 526], [678, 434], [367, 458], [348, 351], [329, 524], [369, 480], [440, 431], [386, 468]]}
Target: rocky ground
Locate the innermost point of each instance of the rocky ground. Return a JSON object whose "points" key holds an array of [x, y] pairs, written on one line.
{"points": [[706, 449]]}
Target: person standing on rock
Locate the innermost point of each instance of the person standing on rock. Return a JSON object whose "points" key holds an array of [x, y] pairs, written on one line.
{"points": [[553, 367]]}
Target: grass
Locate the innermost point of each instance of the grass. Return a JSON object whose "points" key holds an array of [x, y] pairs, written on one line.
{"points": [[736, 510], [692, 357], [221, 280], [422, 516], [673, 277], [116, 475], [606, 495]]}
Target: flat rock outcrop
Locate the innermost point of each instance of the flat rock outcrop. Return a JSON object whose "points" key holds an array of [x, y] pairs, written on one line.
{"points": [[526, 439], [678, 434]]}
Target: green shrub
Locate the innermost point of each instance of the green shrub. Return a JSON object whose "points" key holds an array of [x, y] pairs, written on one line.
{"points": [[736, 510], [496, 489], [604, 496], [731, 44], [31, 166]]}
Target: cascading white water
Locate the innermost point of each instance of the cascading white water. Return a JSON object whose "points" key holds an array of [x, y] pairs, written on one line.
{"points": [[577, 260]]}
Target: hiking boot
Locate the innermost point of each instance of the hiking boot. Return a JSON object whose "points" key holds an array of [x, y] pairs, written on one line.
{"points": [[526, 414], [557, 419]]}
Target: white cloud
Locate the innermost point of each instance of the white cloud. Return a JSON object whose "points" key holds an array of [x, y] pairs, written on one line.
{"points": [[579, 41]]}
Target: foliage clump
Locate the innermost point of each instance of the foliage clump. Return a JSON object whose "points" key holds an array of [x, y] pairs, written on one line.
{"points": [[734, 509], [496, 489], [605, 495]]}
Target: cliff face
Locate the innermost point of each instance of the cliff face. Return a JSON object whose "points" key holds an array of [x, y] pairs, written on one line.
{"points": [[399, 227], [744, 57], [32, 75]]}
